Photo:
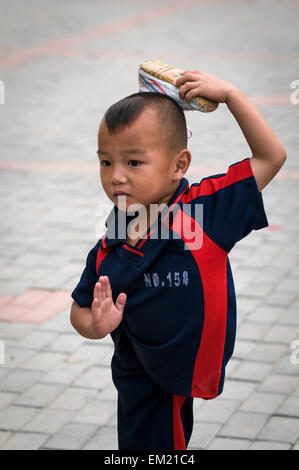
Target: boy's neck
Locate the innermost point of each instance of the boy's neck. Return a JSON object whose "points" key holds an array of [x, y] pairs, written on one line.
{"points": [[146, 219]]}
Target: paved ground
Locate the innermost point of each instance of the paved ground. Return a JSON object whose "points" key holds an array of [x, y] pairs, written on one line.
{"points": [[62, 63]]}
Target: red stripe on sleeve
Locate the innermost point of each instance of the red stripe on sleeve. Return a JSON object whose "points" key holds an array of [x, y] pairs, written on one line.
{"points": [[208, 186]]}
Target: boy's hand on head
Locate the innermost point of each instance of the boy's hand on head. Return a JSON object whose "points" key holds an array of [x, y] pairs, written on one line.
{"points": [[106, 316], [194, 83]]}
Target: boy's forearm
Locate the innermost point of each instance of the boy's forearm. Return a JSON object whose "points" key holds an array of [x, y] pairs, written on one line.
{"points": [[81, 320], [263, 142]]}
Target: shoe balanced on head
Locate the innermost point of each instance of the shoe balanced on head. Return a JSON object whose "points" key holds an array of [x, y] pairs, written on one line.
{"points": [[156, 76]]}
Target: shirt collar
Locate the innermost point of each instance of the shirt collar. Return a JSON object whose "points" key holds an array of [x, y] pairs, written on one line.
{"points": [[117, 220]]}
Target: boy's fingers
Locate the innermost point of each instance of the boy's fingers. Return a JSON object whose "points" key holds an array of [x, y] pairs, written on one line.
{"points": [[192, 93], [187, 77], [99, 291], [96, 290], [186, 88], [108, 288], [105, 287], [121, 301], [95, 307], [191, 71]]}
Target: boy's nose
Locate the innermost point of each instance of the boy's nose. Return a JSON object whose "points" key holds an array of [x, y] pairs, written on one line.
{"points": [[118, 176]]}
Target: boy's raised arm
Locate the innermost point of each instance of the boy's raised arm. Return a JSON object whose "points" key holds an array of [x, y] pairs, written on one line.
{"points": [[268, 153]]}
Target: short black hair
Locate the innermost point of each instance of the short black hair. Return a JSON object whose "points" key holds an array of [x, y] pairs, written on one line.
{"points": [[170, 114]]}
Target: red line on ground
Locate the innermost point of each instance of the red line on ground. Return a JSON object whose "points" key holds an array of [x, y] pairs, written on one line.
{"points": [[272, 100], [34, 305], [24, 55]]}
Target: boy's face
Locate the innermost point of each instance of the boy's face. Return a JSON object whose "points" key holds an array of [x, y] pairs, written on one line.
{"points": [[134, 161]]}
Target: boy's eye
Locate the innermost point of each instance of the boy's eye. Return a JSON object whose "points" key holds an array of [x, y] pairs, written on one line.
{"points": [[134, 162], [105, 163]]}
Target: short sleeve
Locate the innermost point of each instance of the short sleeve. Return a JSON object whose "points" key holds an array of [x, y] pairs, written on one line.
{"points": [[83, 292], [232, 205]]}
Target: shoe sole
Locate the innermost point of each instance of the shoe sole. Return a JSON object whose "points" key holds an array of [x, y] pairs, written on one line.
{"points": [[155, 76]]}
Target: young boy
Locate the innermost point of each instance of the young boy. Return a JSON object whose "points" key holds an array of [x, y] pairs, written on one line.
{"points": [[166, 298]]}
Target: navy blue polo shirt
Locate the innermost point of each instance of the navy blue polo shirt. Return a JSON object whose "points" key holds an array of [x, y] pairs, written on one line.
{"points": [[180, 316]]}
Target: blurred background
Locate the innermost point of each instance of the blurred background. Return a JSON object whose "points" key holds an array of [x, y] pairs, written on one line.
{"points": [[62, 63]]}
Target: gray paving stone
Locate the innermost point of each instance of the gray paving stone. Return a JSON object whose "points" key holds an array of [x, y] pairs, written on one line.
{"points": [[15, 330], [268, 445], [59, 323], [17, 357], [39, 395], [215, 411], [260, 289], [286, 366], [74, 398], [14, 417], [25, 441], [266, 314], [104, 439], [4, 436], [246, 304], [48, 421], [95, 377], [262, 402], [276, 383], [244, 425], [290, 317], [284, 299], [202, 435], [37, 339], [243, 348], [238, 390], [290, 407], [91, 353], [43, 361], [6, 398], [253, 371], [72, 436], [280, 429], [288, 284], [19, 380], [268, 353], [226, 443], [108, 393], [282, 334], [96, 412], [231, 366], [252, 331], [64, 373]]}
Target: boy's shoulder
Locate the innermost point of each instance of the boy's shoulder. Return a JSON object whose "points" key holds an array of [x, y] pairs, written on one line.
{"points": [[209, 185]]}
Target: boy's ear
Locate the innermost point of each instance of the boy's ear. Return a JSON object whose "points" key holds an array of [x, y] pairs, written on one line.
{"points": [[182, 162]]}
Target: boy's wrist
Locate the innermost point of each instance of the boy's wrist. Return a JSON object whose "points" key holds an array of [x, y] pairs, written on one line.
{"points": [[231, 93]]}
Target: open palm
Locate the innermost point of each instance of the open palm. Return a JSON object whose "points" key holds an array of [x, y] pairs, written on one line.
{"points": [[106, 316]]}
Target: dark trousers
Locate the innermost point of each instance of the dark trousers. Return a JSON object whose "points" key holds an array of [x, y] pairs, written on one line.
{"points": [[149, 418]]}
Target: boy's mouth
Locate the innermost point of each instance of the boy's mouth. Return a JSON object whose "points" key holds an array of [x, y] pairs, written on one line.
{"points": [[120, 193]]}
